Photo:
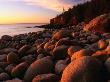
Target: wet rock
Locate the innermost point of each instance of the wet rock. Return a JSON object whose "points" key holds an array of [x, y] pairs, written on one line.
{"points": [[4, 76], [19, 70], [41, 66], [46, 78], [73, 49], [83, 69], [60, 52], [99, 24], [12, 57]]}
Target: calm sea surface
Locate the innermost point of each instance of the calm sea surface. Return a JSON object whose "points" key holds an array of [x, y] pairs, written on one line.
{"points": [[14, 29]]}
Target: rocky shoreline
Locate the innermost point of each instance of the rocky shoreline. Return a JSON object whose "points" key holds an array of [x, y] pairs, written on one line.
{"points": [[56, 55]]}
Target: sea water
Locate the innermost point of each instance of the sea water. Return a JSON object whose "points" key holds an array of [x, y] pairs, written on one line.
{"points": [[15, 29]]}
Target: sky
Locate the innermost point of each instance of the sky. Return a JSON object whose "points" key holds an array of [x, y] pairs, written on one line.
{"points": [[32, 11]]}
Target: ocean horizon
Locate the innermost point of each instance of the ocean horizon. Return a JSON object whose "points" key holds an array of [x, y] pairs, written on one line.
{"points": [[19, 28]]}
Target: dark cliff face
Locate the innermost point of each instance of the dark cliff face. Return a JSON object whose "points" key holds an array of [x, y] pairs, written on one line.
{"points": [[82, 12]]}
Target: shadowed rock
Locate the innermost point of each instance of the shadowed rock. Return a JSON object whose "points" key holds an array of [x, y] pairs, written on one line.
{"points": [[41, 66], [19, 70], [60, 52], [12, 57], [14, 80], [4, 76]]}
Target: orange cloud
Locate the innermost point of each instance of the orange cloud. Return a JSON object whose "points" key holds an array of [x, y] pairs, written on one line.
{"points": [[55, 5]]}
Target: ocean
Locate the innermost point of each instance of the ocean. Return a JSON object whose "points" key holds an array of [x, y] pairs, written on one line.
{"points": [[15, 29]]}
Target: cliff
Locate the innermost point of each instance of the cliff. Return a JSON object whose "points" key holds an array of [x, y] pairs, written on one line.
{"points": [[82, 12]]}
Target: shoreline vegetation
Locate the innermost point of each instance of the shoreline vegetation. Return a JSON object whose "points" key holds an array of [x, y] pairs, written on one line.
{"points": [[76, 52]]}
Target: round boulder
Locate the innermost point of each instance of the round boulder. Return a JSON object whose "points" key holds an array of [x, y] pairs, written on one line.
{"points": [[46, 78], [84, 69], [49, 46], [61, 34], [73, 49], [41, 66], [60, 66], [22, 51], [12, 57], [60, 52], [19, 70], [81, 53]]}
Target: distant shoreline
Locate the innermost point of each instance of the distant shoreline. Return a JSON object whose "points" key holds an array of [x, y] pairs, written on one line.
{"points": [[24, 23]]}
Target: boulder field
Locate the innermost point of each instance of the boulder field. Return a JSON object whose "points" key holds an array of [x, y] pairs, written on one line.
{"points": [[70, 54]]}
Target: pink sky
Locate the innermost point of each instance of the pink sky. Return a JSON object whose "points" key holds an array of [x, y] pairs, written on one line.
{"points": [[32, 11]]}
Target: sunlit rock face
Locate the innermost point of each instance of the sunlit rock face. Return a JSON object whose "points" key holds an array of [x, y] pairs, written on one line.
{"points": [[99, 24], [84, 69]]}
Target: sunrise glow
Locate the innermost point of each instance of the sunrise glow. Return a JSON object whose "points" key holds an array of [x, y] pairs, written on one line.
{"points": [[32, 11]]}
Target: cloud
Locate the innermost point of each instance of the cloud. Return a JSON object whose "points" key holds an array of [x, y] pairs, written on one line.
{"points": [[56, 5]]}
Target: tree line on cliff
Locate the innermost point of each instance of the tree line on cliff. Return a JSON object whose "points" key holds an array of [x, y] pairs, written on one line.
{"points": [[82, 12]]}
